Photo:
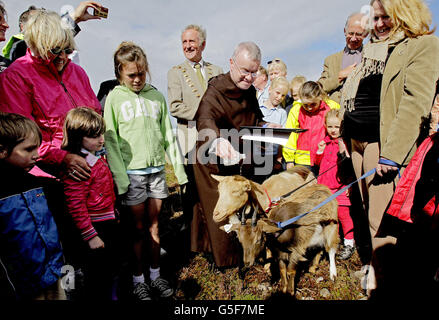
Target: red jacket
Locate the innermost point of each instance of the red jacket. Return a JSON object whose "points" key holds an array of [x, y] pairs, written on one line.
{"points": [[404, 196], [92, 200], [33, 88], [331, 178], [315, 123]]}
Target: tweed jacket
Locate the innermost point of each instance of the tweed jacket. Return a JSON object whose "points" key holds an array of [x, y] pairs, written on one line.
{"points": [[407, 92], [329, 76], [184, 96]]}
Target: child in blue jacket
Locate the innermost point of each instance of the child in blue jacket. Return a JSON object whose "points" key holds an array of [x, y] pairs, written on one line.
{"points": [[31, 257]]}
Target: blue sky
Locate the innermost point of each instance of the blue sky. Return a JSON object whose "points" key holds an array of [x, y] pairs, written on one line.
{"points": [[300, 32]]}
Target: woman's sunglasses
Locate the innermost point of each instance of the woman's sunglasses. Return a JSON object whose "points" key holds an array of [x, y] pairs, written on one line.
{"points": [[56, 51]]}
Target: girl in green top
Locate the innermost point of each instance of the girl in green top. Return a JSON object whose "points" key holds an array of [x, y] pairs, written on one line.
{"points": [[139, 132]]}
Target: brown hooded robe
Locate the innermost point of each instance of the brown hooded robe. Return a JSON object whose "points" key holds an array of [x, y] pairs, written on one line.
{"points": [[223, 106]]}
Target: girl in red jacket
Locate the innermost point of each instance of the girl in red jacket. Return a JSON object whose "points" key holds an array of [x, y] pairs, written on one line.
{"points": [[328, 158], [91, 202]]}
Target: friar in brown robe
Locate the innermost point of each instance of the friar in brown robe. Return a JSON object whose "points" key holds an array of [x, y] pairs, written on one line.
{"points": [[229, 103]]}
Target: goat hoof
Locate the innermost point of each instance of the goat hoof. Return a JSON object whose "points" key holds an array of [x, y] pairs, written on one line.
{"points": [[267, 268]]}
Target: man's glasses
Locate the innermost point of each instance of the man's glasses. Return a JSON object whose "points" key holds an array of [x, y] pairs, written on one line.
{"points": [[244, 72], [356, 34], [56, 51]]}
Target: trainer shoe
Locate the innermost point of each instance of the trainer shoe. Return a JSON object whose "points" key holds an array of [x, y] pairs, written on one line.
{"points": [[346, 252], [142, 291], [162, 287]]}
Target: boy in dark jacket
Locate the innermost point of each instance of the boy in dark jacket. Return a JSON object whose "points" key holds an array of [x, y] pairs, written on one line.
{"points": [[31, 257]]}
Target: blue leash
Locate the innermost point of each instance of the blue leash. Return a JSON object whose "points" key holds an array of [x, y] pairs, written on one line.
{"points": [[282, 225]]}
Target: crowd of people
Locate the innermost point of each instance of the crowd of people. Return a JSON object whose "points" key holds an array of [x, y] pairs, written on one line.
{"points": [[76, 166]]}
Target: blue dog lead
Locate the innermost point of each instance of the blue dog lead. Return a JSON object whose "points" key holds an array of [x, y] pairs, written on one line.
{"points": [[282, 225]]}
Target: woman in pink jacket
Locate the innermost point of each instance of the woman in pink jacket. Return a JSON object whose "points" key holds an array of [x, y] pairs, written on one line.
{"points": [[43, 86], [330, 175]]}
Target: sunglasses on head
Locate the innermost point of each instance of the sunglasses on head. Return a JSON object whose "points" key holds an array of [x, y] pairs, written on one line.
{"points": [[275, 60], [56, 51]]}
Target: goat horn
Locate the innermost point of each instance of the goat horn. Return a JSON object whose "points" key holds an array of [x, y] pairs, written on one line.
{"points": [[244, 208]]}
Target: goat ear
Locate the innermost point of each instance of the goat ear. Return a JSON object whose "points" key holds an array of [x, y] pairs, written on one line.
{"points": [[247, 186], [218, 178], [267, 227]]}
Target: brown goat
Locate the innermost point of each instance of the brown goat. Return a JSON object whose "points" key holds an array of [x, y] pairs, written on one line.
{"points": [[317, 230], [237, 191]]}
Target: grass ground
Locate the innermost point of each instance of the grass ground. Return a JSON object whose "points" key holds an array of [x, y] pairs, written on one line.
{"points": [[196, 278]]}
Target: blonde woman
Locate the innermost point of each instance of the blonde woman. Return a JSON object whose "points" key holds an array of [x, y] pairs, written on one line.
{"points": [[43, 86], [384, 100]]}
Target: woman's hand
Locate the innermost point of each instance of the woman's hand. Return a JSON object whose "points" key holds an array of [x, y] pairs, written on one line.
{"points": [[96, 243], [383, 169], [76, 167], [386, 166]]}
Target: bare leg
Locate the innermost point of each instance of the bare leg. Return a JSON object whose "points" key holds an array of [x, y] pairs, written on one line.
{"points": [[138, 212], [154, 207]]}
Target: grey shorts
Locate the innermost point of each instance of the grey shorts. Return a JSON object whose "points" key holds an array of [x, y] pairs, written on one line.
{"points": [[145, 186]]}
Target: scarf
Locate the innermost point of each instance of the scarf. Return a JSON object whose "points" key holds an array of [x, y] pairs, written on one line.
{"points": [[373, 62]]}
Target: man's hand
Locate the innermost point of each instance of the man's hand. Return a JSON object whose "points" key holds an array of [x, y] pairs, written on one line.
{"points": [[96, 243], [77, 167], [225, 150], [81, 12], [290, 165], [343, 74], [273, 125]]}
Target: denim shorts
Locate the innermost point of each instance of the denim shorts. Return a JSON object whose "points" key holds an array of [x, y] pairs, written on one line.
{"points": [[144, 186]]}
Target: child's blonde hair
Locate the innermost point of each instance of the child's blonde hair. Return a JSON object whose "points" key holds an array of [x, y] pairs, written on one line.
{"points": [[277, 64], [279, 81], [126, 52], [333, 113], [79, 123], [312, 90], [297, 80]]}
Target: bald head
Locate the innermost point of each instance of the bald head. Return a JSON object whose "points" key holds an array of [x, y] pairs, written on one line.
{"points": [[250, 49]]}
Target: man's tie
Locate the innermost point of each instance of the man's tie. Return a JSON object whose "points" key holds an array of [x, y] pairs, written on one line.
{"points": [[200, 75]]}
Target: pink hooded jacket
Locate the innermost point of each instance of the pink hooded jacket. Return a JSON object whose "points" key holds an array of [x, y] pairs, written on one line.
{"points": [[92, 200], [327, 160], [33, 88]]}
